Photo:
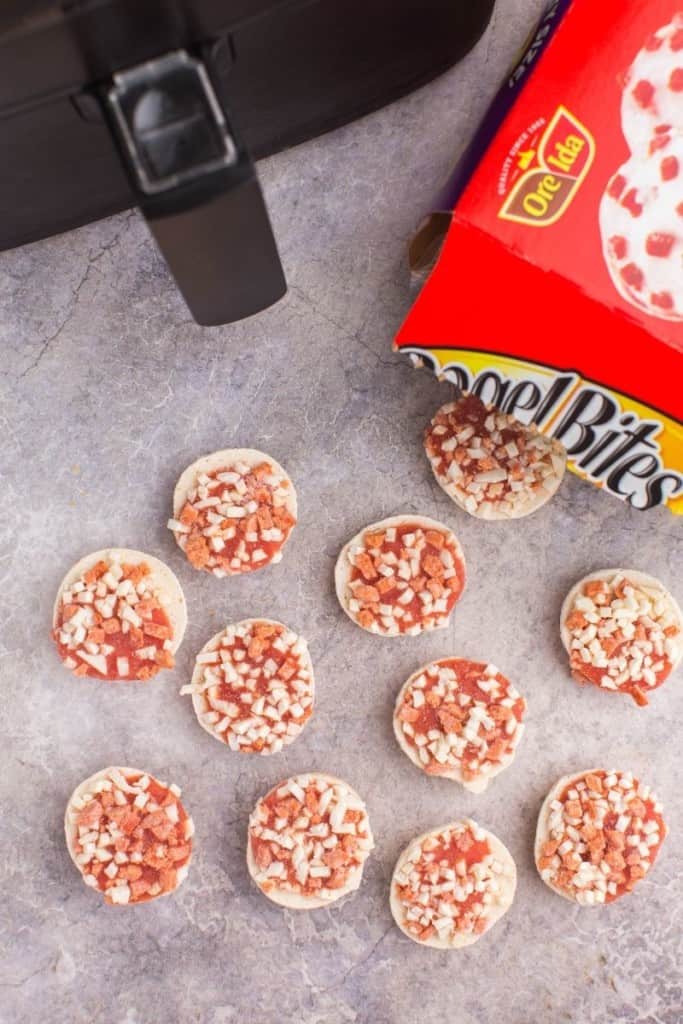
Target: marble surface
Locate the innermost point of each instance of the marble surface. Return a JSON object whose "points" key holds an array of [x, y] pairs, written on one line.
{"points": [[108, 390]]}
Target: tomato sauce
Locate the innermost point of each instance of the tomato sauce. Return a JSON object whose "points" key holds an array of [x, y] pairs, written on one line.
{"points": [[259, 647], [452, 851], [154, 632], [341, 859], [241, 543], [378, 589], [444, 714], [593, 675]]}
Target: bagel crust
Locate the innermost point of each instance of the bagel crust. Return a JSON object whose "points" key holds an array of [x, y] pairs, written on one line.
{"points": [[623, 632], [401, 576], [129, 835], [233, 511], [439, 871], [119, 614], [488, 463], [476, 712], [263, 709], [323, 861], [599, 832]]}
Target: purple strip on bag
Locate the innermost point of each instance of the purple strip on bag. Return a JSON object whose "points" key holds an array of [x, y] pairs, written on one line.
{"points": [[502, 104]]}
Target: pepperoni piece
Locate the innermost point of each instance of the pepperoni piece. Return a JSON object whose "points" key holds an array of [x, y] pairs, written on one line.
{"points": [[660, 244], [617, 186], [252, 687], [670, 168], [451, 885], [660, 141], [197, 551], [632, 203], [663, 300], [417, 576], [633, 276], [459, 719], [643, 94], [623, 631], [676, 80], [598, 834], [129, 835], [233, 512], [308, 840], [619, 247]]}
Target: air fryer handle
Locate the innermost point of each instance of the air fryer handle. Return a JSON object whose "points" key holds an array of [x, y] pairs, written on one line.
{"points": [[197, 188]]}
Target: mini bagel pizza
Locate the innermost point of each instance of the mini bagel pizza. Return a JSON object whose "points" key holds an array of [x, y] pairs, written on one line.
{"points": [[129, 835], [450, 886], [308, 840], [623, 632], [119, 614], [652, 102], [401, 576], [599, 833], [252, 686], [490, 464], [233, 511], [641, 221], [461, 720]]}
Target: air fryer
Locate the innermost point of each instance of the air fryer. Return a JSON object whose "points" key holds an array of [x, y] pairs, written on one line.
{"points": [[165, 104]]}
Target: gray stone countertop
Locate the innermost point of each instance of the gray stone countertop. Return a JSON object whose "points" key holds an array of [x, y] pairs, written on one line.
{"points": [[108, 391]]}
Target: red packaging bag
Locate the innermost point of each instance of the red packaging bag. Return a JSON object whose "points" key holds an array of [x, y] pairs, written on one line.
{"points": [[558, 291]]}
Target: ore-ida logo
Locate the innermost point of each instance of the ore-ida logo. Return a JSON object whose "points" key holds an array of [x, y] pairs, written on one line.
{"points": [[552, 173]]}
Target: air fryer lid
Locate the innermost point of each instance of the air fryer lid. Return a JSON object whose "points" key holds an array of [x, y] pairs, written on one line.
{"points": [[188, 172], [292, 68], [94, 86], [49, 47]]}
